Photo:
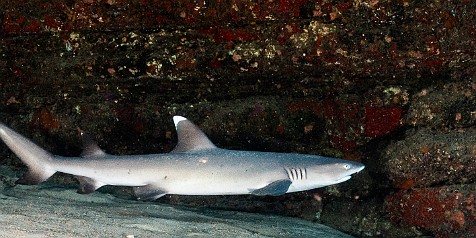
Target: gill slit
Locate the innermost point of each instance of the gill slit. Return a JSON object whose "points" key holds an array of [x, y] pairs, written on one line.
{"points": [[296, 173]]}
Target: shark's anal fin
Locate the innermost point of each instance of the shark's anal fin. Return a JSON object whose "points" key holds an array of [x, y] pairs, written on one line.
{"points": [[87, 185], [33, 176], [149, 192], [275, 188]]}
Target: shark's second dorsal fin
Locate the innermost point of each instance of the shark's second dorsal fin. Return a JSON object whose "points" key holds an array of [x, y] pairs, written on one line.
{"points": [[190, 137], [90, 147]]}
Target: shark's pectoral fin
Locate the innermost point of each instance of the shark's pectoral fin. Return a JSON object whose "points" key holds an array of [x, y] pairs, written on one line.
{"points": [[149, 192], [87, 185], [275, 188]]}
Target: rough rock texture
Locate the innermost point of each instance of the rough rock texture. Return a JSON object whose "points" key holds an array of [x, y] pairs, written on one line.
{"points": [[449, 106], [445, 211], [390, 83], [432, 165], [428, 158]]}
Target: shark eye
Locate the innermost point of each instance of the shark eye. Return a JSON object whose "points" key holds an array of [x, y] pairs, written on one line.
{"points": [[347, 166]]}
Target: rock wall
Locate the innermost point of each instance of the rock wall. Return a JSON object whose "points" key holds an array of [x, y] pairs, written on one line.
{"points": [[389, 83]]}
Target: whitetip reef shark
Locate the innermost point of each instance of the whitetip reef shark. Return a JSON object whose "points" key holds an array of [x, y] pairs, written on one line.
{"points": [[194, 167]]}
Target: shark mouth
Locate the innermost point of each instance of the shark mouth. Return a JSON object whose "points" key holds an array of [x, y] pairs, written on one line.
{"points": [[343, 179]]}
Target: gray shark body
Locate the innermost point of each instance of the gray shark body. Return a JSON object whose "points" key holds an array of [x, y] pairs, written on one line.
{"points": [[195, 167]]}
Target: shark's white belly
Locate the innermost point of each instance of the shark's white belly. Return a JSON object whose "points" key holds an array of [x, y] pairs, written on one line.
{"points": [[213, 185], [204, 179]]}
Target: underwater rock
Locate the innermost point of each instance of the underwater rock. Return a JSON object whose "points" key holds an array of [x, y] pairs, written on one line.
{"points": [[430, 158], [447, 211], [451, 106]]}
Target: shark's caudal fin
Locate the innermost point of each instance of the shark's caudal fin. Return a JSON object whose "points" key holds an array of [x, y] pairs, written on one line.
{"points": [[190, 137], [36, 158]]}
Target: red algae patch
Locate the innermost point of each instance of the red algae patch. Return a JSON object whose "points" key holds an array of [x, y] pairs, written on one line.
{"points": [[44, 118], [443, 211]]}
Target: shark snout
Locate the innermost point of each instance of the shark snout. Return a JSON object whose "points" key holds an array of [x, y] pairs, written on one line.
{"points": [[354, 167], [359, 168], [351, 168]]}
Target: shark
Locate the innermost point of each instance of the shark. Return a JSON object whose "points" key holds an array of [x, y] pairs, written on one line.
{"points": [[194, 167]]}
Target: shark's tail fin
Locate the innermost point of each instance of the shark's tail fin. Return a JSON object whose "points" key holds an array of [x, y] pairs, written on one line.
{"points": [[37, 159]]}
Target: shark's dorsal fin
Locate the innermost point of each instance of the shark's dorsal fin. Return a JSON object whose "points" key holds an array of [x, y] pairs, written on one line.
{"points": [[190, 137], [90, 147]]}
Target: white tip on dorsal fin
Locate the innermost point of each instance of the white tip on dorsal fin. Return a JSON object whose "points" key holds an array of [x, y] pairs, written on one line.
{"points": [[90, 147], [178, 119], [190, 137]]}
